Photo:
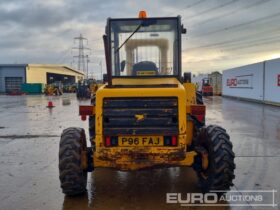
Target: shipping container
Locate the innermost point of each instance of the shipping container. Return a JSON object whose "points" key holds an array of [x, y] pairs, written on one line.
{"points": [[216, 82], [272, 81], [34, 88], [244, 82], [259, 81]]}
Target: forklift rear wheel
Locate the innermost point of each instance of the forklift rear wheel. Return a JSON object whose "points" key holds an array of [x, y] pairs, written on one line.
{"points": [[73, 177], [220, 172]]}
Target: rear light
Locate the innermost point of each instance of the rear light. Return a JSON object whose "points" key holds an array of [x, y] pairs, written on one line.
{"points": [[174, 141], [107, 141], [170, 141], [111, 141]]}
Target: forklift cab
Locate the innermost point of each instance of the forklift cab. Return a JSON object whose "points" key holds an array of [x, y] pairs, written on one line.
{"points": [[143, 47]]}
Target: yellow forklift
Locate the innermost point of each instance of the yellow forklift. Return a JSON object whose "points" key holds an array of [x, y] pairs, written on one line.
{"points": [[54, 89], [147, 114]]}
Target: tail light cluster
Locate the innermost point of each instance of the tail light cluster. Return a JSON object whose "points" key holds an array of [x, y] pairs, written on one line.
{"points": [[111, 141], [170, 141]]}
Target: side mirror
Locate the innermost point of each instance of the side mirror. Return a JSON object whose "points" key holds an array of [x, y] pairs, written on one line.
{"points": [[122, 65]]}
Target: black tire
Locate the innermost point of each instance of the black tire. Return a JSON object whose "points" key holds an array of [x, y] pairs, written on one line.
{"points": [[73, 178], [91, 125], [220, 172], [199, 99], [91, 129]]}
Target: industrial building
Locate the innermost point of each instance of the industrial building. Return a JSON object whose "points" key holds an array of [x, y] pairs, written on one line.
{"points": [[13, 75], [257, 82]]}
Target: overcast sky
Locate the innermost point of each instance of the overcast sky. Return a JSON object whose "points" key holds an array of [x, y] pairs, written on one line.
{"points": [[221, 33]]}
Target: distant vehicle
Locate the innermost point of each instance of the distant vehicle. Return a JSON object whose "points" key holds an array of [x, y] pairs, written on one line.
{"points": [[70, 88], [207, 89], [87, 88], [83, 89], [53, 89], [208, 84]]}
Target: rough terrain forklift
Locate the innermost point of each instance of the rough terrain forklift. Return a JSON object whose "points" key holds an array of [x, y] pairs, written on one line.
{"points": [[146, 115]]}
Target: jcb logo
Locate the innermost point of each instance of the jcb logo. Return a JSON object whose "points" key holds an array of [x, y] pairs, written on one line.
{"points": [[232, 82]]}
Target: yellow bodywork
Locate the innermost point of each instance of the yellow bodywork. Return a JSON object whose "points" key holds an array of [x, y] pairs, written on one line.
{"points": [[126, 158], [94, 87]]}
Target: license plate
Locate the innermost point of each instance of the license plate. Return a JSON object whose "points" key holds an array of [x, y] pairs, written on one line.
{"points": [[127, 141]]}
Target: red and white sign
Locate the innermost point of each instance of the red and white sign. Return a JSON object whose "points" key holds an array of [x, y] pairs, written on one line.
{"points": [[243, 81], [232, 82]]}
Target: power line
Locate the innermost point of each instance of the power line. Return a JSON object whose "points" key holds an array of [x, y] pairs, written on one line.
{"points": [[276, 39], [234, 11], [240, 25], [63, 60], [187, 7], [231, 41], [244, 43], [63, 55], [240, 55], [212, 9], [230, 13]]}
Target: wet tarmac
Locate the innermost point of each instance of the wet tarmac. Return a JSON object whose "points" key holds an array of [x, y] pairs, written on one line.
{"points": [[29, 138]]}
